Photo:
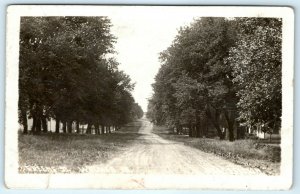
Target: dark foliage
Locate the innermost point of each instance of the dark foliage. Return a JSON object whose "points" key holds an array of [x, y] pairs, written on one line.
{"points": [[66, 74], [225, 71]]}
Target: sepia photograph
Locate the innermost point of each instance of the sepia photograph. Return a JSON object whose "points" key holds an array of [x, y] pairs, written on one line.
{"points": [[149, 97]]}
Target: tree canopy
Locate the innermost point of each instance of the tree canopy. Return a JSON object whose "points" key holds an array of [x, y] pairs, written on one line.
{"points": [[257, 62], [226, 71], [66, 74]]}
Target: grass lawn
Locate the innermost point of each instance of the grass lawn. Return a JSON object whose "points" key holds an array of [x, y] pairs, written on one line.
{"points": [[67, 153], [244, 152]]}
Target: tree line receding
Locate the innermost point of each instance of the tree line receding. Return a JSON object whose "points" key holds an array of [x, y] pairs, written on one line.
{"points": [[222, 72], [66, 73]]}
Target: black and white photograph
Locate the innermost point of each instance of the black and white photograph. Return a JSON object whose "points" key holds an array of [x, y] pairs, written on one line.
{"points": [[149, 97]]}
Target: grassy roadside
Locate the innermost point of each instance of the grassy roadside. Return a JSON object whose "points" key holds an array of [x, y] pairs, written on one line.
{"points": [[249, 153], [70, 153]]}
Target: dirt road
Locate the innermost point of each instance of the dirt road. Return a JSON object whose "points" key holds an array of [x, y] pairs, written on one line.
{"points": [[151, 154]]}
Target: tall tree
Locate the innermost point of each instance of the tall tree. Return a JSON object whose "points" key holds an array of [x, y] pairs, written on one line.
{"points": [[257, 61], [66, 74], [196, 77]]}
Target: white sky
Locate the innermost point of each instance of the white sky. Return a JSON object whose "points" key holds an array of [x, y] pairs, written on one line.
{"points": [[140, 39]]}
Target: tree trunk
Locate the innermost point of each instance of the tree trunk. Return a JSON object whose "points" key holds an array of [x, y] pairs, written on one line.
{"points": [[69, 126], [97, 128], [190, 131], [33, 127], [77, 127], [102, 129], [109, 129], [216, 124], [230, 123], [44, 124], [24, 121], [57, 125], [201, 127], [231, 134], [38, 126], [88, 130], [220, 133], [205, 126], [178, 129], [197, 125], [64, 127], [197, 129]]}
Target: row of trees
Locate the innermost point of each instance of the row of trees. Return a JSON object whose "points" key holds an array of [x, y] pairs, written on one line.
{"points": [[222, 71], [65, 73]]}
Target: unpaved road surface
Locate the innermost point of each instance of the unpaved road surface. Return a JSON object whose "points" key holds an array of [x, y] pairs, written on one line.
{"points": [[151, 154]]}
